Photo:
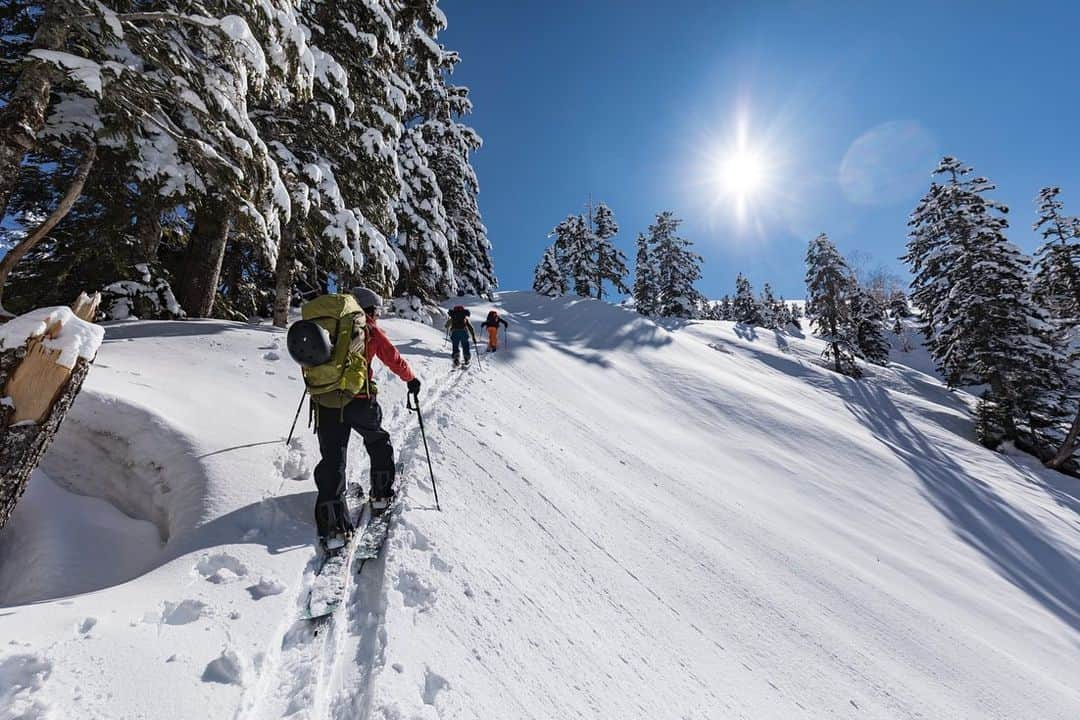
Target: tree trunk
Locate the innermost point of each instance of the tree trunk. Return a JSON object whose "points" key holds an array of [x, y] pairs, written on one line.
{"points": [[42, 392], [12, 258], [283, 286], [202, 267], [24, 115], [149, 230], [1068, 447]]}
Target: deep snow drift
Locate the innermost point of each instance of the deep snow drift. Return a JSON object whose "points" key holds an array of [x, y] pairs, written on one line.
{"points": [[638, 521]]}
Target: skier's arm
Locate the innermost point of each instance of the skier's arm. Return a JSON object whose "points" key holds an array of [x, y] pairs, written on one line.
{"points": [[385, 351], [505, 324]]}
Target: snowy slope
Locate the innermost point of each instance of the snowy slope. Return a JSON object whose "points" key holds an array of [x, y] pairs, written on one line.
{"points": [[638, 522]]}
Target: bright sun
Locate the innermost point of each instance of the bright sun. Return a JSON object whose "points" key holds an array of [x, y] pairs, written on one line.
{"points": [[743, 174]]}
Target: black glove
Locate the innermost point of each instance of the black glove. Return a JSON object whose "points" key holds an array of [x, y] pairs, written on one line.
{"points": [[414, 386]]}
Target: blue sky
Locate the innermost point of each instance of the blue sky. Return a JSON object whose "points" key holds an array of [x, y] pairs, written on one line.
{"points": [[851, 104]]}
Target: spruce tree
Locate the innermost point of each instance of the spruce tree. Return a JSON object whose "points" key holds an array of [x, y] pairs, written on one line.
{"points": [[867, 319], [574, 245], [972, 285], [1056, 289], [677, 268], [830, 287], [745, 307], [770, 318], [645, 290], [725, 310], [548, 278], [610, 261]]}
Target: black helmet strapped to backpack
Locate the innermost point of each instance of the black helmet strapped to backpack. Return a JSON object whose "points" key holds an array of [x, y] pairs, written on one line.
{"points": [[309, 344]]}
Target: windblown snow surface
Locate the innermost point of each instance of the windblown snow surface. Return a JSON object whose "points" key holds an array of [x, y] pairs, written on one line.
{"points": [[688, 521]]}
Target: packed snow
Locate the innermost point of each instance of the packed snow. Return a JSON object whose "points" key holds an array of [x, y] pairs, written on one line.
{"points": [[639, 520]]}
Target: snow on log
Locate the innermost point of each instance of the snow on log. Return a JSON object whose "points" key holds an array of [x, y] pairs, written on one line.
{"points": [[44, 358]]}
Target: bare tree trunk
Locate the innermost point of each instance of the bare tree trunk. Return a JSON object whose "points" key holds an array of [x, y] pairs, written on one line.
{"points": [[24, 115], [202, 268], [283, 286], [12, 258], [42, 392], [1068, 447]]}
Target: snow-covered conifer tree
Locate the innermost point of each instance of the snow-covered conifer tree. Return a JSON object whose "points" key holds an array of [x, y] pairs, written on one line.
{"points": [[1056, 289], [644, 278], [610, 261], [867, 319], [830, 286], [677, 268], [972, 286], [574, 245], [745, 307], [549, 278]]}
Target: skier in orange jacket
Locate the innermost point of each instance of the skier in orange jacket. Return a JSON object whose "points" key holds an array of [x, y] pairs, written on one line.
{"points": [[492, 325]]}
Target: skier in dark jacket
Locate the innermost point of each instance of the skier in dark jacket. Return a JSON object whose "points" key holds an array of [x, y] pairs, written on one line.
{"points": [[334, 426], [492, 325], [461, 330]]}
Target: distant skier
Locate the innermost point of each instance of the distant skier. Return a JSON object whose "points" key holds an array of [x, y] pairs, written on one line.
{"points": [[343, 363], [492, 325], [461, 330]]}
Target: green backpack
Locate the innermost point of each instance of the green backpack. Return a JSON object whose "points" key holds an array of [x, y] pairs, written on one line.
{"points": [[335, 383]]}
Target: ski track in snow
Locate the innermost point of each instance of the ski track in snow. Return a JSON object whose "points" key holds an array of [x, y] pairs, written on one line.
{"points": [[307, 669]]}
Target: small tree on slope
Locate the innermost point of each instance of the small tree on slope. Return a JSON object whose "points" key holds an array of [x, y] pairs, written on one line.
{"points": [[677, 268], [610, 262], [745, 306], [548, 278], [830, 286], [644, 278]]}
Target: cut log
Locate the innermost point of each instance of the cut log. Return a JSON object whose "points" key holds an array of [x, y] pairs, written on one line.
{"points": [[44, 357]]}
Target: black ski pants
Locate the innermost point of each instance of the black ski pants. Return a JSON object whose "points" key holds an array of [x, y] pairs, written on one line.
{"points": [[335, 425]]}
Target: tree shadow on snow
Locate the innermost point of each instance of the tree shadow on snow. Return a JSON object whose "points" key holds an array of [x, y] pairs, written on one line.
{"points": [[580, 327], [1011, 541], [279, 523], [127, 330]]}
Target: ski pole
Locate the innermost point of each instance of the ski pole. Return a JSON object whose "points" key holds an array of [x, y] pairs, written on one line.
{"points": [[293, 428], [476, 349], [412, 402]]}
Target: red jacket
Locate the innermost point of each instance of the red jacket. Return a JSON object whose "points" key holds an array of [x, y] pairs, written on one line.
{"points": [[378, 345]]}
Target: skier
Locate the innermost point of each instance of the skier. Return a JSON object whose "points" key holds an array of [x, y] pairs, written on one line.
{"points": [[492, 325], [461, 330], [336, 417]]}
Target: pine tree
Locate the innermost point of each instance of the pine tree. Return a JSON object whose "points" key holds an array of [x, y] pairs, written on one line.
{"points": [[645, 289], [1056, 289], [574, 243], [610, 261], [830, 287], [770, 318], [548, 278], [867, 319], [677, 268], [745, 307], [972, 285], [725, 309]]}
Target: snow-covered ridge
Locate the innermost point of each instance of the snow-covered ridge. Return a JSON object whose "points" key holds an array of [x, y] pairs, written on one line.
{"points": [[695, 520]]}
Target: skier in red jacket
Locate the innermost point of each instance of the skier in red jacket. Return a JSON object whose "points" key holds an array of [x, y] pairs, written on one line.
{"points": [[362, 414]]}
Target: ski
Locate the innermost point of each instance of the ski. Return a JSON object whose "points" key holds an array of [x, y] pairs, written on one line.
{"points": [[327, 590], [373, 537]]}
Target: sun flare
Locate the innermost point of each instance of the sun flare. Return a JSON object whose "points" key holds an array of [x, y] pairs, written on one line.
{"points": [[743, 173]]}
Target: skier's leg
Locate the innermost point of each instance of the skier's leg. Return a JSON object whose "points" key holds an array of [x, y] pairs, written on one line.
{"points": [[493, 338], [466, 351], [330, 509], [455, 341], [365, 416]]}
